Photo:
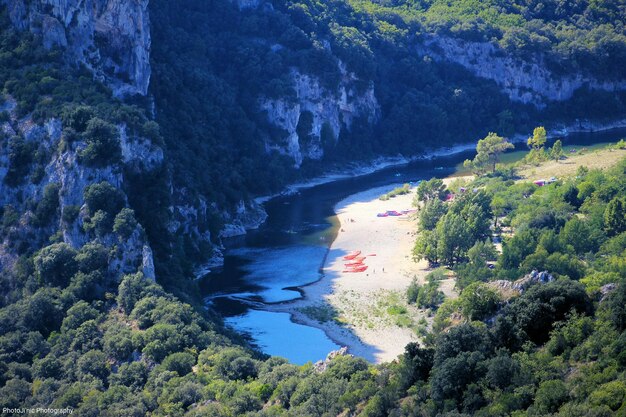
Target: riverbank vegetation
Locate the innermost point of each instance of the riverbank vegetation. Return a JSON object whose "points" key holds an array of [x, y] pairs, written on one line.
{"points": [[404, 189]]}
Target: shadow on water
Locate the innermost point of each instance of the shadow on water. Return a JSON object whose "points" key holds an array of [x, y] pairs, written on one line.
{"points": [[286, 253]]}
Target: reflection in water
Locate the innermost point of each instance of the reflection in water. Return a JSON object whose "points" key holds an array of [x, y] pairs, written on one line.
{"points": [[275, 270]]}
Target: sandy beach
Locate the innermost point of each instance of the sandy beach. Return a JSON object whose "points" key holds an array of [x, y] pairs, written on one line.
{"points": [[359, 310]]}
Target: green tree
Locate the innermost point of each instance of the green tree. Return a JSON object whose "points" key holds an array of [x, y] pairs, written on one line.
{"points": [[429, 190], [426, 247], [179, 362], [48, 205], [103, 196], [94, 363], [580, 235], [482, 252], [556, 152], [92, 257], [102, 144], [478, 301], [125, 223], [538, 139], [488, 152], [454, 238], [133, 288], [100, 223], [430, 214], [55, 264], [77, 315], [78, 117], [549, 397], [615, 216]]}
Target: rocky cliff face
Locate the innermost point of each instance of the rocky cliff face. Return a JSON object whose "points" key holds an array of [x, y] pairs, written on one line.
{"points": [[63, 171], [328, 113], [110, 37], [524, 81]]}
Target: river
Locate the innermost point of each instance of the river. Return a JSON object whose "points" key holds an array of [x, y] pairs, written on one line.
{"points": [[268, 265]]}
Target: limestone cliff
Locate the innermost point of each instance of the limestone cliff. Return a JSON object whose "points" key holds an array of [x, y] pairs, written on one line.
{"points": [[110, 37], [528, 82], [329, 112], [61, 171]]}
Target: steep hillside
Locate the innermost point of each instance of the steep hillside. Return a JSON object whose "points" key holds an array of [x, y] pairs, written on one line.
{"points": [[130, 146]]}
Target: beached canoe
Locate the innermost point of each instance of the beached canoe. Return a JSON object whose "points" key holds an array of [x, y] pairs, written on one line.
{"points": [[352, 255]]}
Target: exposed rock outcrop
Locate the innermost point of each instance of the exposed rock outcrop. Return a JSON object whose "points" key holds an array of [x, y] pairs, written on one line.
{"points": [[329, 112], [110, 37], [508, 289], [247, 215], [528, 82], [70, 177], [321, 366]]}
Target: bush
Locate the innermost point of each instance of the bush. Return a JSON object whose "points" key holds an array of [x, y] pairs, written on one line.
{"points": [[550, 396], [133, 375], [103, 196], [20, 158], [78, 117], [99, 223], [125, 223], [133, 288], [70, 214], [94, 363], [48, 205], [179, 362], [478, 301], [92, 257], [102, 144], [55, 264]]}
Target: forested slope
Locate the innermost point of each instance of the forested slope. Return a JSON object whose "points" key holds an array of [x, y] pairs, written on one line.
{"points": [[92, 184]]}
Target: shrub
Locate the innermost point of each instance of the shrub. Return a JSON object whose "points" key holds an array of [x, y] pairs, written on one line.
{"points": [[92, 257], [102, 144], [70, 213], [125, 223], [78, 117], [94, 363], [20, 158], [48, 205], [99, 223], [179, 362], [103, 196], [55, 264]]}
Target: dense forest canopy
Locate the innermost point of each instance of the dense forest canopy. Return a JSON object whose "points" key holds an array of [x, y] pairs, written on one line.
{"points": [[580, 35]]}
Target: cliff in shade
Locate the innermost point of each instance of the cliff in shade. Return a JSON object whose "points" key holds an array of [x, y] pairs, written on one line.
{"points": [[528, 81], [110, 37]]}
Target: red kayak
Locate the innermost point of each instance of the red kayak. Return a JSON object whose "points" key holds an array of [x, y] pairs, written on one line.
{"points": [[352, 255]]}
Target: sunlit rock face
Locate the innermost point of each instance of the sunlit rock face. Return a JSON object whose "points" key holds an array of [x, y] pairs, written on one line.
{"points": [[110, 37], [327, 111]]}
